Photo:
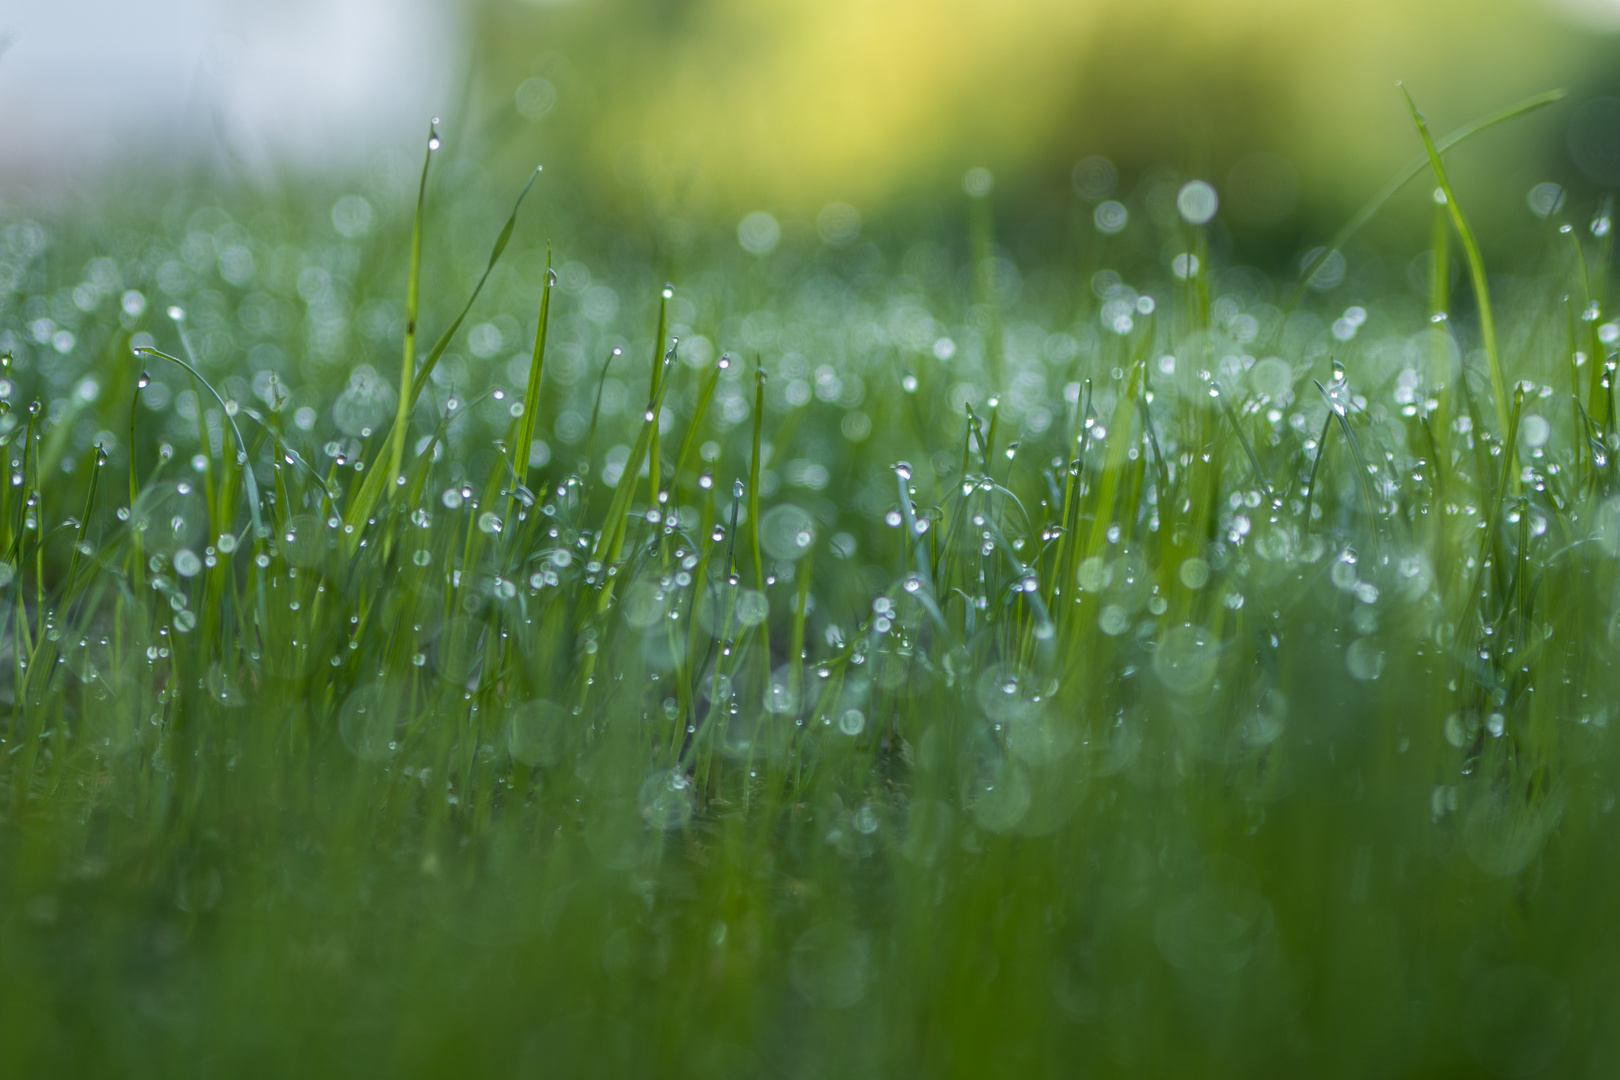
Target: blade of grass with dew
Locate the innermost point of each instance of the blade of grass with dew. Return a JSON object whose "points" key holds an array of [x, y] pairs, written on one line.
{"points": [[753, 499], [531, 391], [654, 464], [250, 482], [1476, 268], [695, 427], [1440, 315], [1363, 471], [610, 540], [378, 481], [413, 291]]}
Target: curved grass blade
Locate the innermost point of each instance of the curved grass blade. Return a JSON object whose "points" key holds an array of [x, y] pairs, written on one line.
{"points": [[290, 455], [1376, 203], [248, 480], [429, 362], [1476, 267], [250, 484], [596, 413]]}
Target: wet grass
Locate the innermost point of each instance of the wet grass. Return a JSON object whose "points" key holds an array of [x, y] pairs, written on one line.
{"points": [[1102, 667]]}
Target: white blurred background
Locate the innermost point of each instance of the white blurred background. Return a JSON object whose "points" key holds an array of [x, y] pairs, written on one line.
{"points": [[297, 82]]}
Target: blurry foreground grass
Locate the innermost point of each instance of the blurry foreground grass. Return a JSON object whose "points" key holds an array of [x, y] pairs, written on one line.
{"points": [[1097, 667]]}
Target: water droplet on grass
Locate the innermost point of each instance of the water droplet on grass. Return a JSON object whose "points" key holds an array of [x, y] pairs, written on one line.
{"points": [[1364, 659], [1197, 202], [1113, 620], [1185, 659], [752, 607], [786, 532], [1534, 431], [1110, 217], [667, 800], [1194, 573], [996, 791], [370, 719]]}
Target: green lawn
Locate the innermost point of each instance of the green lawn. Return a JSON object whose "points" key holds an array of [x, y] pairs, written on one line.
{"points": [[860, 657]]}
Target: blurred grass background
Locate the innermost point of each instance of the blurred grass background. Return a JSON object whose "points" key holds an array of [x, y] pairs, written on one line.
{"points": [[701, 111], [713, 108]]}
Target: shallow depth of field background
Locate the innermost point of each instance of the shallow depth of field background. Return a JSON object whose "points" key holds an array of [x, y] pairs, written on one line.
{"points": [[705, 110]]}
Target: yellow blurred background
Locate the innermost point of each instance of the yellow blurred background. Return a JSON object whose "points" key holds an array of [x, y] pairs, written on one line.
{"points": [[717, 107]]}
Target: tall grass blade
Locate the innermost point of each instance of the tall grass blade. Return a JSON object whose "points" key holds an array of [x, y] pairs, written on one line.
{"points": [[1476, 268], [1376, 203], [377, 480]]}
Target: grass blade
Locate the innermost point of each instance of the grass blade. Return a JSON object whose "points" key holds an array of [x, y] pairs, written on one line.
{"points": [[1376, 203], [380, 480], [413, 291], [1476, 268], [531, 392]]}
